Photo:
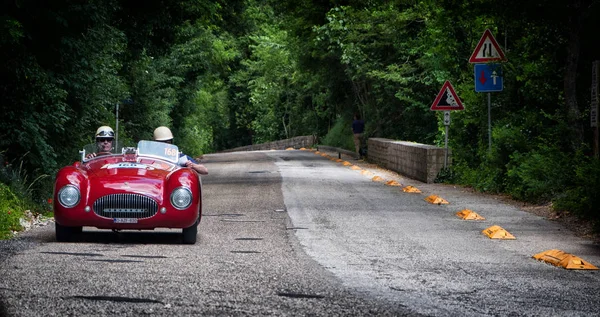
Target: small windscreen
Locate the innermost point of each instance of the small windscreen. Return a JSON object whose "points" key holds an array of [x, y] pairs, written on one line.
{"points": [[165, 151], [100, 149]]}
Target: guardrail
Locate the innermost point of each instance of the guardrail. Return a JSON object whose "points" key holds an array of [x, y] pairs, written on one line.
{"points": [[418, 161], [338, 150], [306, 141], [415, 160]]}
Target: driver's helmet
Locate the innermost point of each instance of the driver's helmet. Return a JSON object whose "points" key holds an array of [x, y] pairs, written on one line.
{"points": [[104, 139], [162, 134]]}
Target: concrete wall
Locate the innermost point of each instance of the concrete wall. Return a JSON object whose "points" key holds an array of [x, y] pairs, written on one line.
{"points": [[418, 161], [298, 142]]}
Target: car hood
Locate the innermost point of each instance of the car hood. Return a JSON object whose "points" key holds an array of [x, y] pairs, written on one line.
{"points": [[130, 177]]}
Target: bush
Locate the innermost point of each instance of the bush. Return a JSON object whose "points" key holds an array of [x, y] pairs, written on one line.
{"points": [[582, 197], [11, 210], [539, 175], [18, 194], [340, 135]]}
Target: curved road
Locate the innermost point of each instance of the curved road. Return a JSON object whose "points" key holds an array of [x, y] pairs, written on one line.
{"points": [[290, 233]]}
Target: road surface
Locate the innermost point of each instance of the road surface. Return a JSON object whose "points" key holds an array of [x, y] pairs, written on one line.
{"points": [[288, 233]]}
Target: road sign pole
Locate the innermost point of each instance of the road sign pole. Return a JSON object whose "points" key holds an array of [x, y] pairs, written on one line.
{"points": [[447, 124], [117, 125], [488, 50], [447, 100], [489, 122], [446, 155], [594, 104]]}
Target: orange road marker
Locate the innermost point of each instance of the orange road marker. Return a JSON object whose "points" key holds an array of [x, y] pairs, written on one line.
{"points": [[467, 214], [393, 183], [436, 200], [497, 232], [377, 179], [411, 189], [565, 260]]}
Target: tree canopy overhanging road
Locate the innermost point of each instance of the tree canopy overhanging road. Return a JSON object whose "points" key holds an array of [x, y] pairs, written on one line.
{"points": [[224, 74]]}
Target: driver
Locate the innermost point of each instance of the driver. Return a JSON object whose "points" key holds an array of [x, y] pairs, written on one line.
{"points": [[163, 134], [104, 141]]}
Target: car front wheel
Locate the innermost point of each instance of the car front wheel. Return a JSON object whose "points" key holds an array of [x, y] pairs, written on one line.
{"points": [[190, 233], [65, 234]]}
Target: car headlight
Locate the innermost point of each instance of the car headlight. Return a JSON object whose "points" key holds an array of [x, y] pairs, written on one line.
{"points": [[69, 196], [181, 198]]}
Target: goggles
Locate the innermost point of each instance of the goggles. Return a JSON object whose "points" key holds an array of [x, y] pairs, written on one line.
{"points": [[102, 140], [106, 134]]}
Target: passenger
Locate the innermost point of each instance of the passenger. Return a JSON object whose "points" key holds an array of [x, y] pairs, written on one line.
{"points": [[104, 141], [163, 134]]}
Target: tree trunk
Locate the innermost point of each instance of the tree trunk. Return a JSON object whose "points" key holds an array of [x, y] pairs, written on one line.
{"points": [[570, 85]]}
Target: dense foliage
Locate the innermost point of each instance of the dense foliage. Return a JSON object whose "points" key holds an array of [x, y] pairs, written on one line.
{"points": [[224, 74]]}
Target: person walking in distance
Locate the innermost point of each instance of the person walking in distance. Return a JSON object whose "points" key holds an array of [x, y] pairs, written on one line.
{"points": [[358, 128]]}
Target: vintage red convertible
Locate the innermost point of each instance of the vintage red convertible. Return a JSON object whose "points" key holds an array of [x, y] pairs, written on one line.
{"points": [[139, 188]]}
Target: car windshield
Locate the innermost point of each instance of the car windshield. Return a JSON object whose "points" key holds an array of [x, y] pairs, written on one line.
{"points": [[160, 150], [165, 151], [101, 148]]}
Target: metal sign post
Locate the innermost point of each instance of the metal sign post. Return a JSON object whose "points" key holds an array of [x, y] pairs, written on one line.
{"points": [[594, 105], [447, 100], [447, 124], [488, 77], [489, 122], [117, 125]]}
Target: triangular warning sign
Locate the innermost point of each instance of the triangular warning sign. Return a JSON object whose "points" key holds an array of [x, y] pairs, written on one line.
{"points": [[447, 99], [487, 50]]}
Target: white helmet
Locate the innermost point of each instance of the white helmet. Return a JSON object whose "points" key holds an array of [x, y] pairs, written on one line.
{"points": [[162, 133], [105, 132]]}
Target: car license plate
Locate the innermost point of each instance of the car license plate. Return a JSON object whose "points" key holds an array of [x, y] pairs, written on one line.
{"points": [[125, 220]]}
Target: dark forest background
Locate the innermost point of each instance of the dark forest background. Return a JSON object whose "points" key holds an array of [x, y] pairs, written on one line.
{"points": [[224, 74]]}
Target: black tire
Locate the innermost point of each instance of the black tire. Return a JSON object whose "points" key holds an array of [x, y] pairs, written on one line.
{"points": [[63, 234], [189, 235]]}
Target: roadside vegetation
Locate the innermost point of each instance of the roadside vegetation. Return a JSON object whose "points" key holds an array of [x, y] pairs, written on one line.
{"points": [[224, 74]]}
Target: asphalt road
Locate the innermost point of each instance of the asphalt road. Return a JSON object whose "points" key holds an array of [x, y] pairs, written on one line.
{"points": [[292, 233]]}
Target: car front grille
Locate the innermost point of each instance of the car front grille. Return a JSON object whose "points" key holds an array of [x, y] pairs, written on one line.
{"points": [[125, 206]]}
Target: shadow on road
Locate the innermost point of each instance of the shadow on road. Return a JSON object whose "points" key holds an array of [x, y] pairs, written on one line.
{"points": [[126, 237]]}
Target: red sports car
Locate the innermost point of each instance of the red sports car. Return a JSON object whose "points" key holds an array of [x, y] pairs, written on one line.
{"points": [[140, 188]]}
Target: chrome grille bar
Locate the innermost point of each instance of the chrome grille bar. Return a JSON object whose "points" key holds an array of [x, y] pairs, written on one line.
{"points": [[125, 206]]}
